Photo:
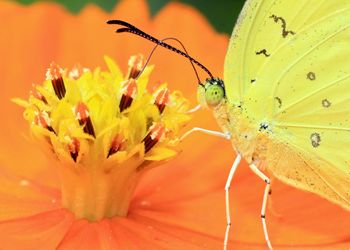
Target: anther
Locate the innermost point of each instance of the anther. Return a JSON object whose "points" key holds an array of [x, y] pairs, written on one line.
{"points": [[116, 145], [38, 96], [73, 147], [135, 66], [128, 96], [155, 134], [43, 120], [54, 74], [83, 116], [162, 99]]}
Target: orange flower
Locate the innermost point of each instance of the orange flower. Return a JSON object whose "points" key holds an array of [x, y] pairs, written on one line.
{"points": [[179, 205]]}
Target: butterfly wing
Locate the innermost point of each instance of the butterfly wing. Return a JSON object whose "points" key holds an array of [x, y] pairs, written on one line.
{"points": [[288, 65]]}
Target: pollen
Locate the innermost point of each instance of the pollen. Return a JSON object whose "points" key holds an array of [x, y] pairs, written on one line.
{"points": [[116, 145], [43, 120], [73, 147], [135, 64], [155, 134], [54, 74], [77, 71], [162, 99], [129, 92], [83, 116], [104, 129], [36, 94]]}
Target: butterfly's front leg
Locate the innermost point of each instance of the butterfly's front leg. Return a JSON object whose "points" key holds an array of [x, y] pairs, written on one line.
{"points": [[258, 172], [229, 178]]}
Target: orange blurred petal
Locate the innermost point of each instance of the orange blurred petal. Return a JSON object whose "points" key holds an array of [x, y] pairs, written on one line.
{"points": [[21, 197], [41, 231]]}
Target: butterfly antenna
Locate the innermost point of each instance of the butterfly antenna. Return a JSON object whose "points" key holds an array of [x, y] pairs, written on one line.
{"points": [[174, 39], [132, 29]]}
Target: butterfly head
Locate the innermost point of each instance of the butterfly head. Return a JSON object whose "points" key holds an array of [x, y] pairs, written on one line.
{"points": [[211, 93]]}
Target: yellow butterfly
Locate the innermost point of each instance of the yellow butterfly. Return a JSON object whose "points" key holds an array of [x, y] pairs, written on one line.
{"points": [[284, 101]]}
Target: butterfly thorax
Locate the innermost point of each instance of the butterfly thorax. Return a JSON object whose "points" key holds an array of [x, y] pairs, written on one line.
{"points": [[248, 139]]}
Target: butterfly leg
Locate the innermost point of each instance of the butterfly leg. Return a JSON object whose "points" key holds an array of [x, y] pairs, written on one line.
{"points": [[194, 109], [227, 189], [229, 178], [266, 194]]}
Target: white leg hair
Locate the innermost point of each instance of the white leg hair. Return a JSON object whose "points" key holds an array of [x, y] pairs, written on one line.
{"points": [[257, 171], [227, 192], [206, 131]]}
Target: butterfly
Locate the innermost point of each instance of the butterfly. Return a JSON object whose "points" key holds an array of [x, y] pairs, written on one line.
{"points": [[284, 99]]}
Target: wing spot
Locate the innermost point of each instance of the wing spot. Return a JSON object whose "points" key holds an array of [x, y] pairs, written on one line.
{"points": [[285, 32], [264, 126], [315, 139], [311, 76], [263, 51], [252, 81], [326, 103], [279, 101]]}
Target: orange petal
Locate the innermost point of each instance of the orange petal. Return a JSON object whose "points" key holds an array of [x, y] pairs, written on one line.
{"points": [[41, 231], [81, 235], [155, 234], [183, 200], [22, 197]]}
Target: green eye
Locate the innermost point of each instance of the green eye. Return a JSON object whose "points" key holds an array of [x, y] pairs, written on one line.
{"points": [[214, 94]]}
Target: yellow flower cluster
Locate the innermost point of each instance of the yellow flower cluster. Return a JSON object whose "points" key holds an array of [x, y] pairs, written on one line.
{"points": [[104, 129]]}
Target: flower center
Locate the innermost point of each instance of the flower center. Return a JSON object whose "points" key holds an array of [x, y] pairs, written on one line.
{"points": [[103, 132]]}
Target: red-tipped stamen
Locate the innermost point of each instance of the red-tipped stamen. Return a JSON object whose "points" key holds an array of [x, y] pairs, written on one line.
{"points": [[74, 147], [135, 66], [54, 74], [162, 99], [83, 116], [128, 96], [38, 96], [156, 132], [116, 145], [43, 120]]}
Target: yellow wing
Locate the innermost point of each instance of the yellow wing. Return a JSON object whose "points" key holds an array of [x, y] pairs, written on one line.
{"points": [[288, 65]]}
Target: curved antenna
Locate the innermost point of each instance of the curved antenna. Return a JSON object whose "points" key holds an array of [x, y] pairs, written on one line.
{"points": [[177, 40], [132, 29]]}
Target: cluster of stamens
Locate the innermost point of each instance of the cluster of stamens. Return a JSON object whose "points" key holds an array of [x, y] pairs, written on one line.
{"points": [[127, 95]]}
